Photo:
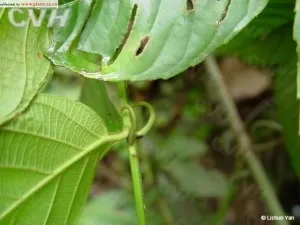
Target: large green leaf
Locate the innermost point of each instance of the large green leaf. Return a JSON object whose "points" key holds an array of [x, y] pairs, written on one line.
{"points": [[48, 157], [150, 39], [23, 68]]}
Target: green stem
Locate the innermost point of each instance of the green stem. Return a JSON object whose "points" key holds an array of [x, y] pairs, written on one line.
{"points": [[244, 142], [134, 163], [137, 185]]}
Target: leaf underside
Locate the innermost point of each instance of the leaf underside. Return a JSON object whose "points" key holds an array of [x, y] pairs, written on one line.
{"points": [[24, 69], [146, 39], [48, 157]]}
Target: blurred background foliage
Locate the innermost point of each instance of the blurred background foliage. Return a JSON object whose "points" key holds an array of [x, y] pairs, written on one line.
{"points": [[191, 172]]}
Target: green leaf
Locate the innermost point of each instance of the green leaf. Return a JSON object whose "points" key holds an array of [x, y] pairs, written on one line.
{"points": [[176, 157], [261, 51], [288, 109], [153, 39], [24, 70], [101, 35], [182, 148], [195, 180], [94, 95], [62, 51], [273, 27], [276, 14], [48, 157], [102, 210]]}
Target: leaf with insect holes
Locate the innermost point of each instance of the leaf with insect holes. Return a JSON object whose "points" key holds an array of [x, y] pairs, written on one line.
{"points": [[47, 163], [23, 68], [62, 51], [148, 39]]}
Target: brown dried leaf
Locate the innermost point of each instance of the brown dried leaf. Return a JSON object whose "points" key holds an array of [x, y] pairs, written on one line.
{"points": [[244, 81]]}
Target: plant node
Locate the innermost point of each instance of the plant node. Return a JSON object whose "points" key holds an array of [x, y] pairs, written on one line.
{"points": [[134, 133]]}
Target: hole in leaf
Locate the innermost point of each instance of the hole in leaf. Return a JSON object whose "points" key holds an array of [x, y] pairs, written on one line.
{"points": [[126, 36], [224, 14], [189, 5], [144, 42]]}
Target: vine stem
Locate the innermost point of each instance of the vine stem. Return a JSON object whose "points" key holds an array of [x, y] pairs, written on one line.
{"points": [[244, 142], [137, 185], [134, 162]]}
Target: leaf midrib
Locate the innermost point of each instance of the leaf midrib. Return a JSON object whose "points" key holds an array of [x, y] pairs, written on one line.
{"points": [[89, 149]]}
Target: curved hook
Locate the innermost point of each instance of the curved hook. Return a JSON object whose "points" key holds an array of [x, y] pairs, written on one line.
{"points": [[151, 119], [133, 133]]}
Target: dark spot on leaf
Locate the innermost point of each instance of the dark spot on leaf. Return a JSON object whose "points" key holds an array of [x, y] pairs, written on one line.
{"points": [[142, 46], [224, 14], [189, 5], [39, 55], [126, 36]]}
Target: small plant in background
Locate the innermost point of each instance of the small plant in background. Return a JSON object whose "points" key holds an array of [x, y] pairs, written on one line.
{"points": [[50, 145]]}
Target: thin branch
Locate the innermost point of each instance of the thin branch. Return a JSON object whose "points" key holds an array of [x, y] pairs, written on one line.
{"points": [[244, 142]]}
